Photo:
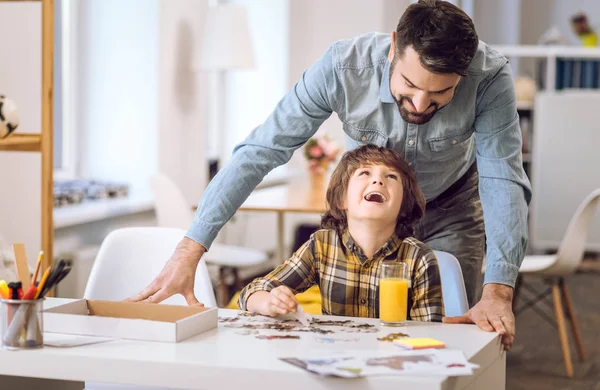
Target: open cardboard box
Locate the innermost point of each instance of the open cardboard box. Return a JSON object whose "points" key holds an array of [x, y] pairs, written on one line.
{"points": [[129, 320]]}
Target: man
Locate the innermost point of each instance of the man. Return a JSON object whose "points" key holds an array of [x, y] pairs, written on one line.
{"points": [[441, 98]]}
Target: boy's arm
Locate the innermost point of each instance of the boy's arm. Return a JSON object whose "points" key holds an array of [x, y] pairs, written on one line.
{"points": [[428, 303], [297, 273]]}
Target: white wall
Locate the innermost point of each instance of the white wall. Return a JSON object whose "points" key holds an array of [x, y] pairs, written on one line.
{"points": [[182, 99], [252, 94], [20, 79], [117, 101]]}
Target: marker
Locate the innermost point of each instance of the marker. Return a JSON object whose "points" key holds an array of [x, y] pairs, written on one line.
{"points": [[4, 291]]}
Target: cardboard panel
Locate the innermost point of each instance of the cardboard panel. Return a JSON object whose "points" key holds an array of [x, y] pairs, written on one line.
{"points": [[145, 311]]}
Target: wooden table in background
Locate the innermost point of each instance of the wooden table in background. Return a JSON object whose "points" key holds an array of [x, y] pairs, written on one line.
{"points": [[300, 195]]}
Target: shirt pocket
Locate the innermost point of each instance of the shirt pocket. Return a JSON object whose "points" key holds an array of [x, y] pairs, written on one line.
{"points": [[357, 136], [447, 147]]}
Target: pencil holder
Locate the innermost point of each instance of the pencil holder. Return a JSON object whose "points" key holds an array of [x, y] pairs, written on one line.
{"points": [[22, 323]]}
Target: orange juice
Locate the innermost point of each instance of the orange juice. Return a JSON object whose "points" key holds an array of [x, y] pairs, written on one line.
{"points": [[393, 300]]}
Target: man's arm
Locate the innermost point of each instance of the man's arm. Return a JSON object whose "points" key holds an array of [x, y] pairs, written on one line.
{"points": [[503, 185], [295, 119], [505, 194]]}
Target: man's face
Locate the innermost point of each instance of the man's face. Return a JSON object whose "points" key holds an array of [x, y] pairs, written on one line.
{"points": [[418, 93]]}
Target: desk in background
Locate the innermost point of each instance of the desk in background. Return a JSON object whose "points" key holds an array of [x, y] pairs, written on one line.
{"points": [[297, 196]]}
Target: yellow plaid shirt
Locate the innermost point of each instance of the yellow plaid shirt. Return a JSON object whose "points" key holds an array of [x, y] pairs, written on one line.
{"points": [[349, 282]]}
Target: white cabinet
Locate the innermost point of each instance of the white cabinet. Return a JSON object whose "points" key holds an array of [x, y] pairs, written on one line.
{"points": [[565, 164]]}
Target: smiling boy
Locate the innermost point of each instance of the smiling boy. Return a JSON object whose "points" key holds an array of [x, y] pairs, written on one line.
{"points": [[373, 203]]}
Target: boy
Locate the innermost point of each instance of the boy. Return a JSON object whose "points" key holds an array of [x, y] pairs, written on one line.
{"points": [[373, 202]]}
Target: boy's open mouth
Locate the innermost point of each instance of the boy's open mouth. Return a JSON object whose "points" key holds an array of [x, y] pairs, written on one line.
{"points": [[376, 197]]}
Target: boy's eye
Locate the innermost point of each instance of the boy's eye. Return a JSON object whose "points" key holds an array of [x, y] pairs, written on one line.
{"points": [[363, 173], [392, 176]]}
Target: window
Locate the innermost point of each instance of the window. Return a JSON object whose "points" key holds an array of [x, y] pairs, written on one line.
{"points": [[64, 89]]}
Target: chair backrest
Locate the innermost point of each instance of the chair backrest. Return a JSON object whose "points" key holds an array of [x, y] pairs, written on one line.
{"points": [[572, 247], [130, 258], [171, 207], [453, 285]]}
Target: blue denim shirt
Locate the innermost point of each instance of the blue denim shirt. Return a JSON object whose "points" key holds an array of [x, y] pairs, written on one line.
{"points": [[352, 79]]}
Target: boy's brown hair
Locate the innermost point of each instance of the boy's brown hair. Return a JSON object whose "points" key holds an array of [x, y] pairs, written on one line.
{"points": [[413, 201]]}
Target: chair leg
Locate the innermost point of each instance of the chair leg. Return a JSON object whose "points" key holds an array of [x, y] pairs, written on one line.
{"points": [[223, 288], [236, 279], [572, 318], [562, 329]]}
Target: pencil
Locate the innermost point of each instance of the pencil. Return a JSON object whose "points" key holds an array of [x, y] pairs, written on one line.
{"points": [[37, 268], [43, 282]]}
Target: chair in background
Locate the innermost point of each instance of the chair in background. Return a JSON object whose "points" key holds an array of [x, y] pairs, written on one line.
{"points": [[172, 210], [128, 260], [453, 285], [554, 268]]}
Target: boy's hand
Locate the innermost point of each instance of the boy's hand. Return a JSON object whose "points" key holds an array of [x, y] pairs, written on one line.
{"points": [[281, 301]]}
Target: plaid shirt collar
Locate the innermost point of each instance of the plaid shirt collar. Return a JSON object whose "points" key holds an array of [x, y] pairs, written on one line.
{"points": [[391, 246]]}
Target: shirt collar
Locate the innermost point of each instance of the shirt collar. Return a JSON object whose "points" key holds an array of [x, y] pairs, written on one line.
{"points": [[392, 244], [385, 94]]}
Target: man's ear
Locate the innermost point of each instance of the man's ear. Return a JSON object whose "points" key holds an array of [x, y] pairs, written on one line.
{"points": [[392, 51]]}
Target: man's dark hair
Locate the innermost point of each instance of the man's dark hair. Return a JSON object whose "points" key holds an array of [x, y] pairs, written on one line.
{"points": [[442, 34]]}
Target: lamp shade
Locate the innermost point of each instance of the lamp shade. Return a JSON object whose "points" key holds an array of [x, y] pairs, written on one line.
{"points": [[226, 42]]}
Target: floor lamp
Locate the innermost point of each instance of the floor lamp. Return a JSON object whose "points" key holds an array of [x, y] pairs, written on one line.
{"points": [[226, 46]]}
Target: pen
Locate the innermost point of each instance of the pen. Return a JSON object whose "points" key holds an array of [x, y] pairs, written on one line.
{"points": [[43, 282], [37, 267]]}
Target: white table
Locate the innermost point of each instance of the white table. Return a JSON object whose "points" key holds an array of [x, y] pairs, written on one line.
{"points": [[223, 359]]}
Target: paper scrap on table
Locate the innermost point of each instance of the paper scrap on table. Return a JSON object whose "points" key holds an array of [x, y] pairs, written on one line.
{"points": [[366, 363], [304, 318], [68, 341]]}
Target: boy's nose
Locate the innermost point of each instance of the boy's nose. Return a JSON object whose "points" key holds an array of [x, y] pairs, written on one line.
{"points": [[378, 182]]}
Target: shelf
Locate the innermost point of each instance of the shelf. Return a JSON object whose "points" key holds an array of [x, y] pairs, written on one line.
{"points": [[21, 142], [540, 51]]}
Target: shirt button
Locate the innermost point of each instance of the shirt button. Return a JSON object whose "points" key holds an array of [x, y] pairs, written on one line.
{"points": [[411, 142], [363, 301], [454, 142], [364, 138]]}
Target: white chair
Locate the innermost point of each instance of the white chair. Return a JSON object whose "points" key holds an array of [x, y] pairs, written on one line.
{"points": [[555, 267], [172, 210], [453, 285], [128, 260]]}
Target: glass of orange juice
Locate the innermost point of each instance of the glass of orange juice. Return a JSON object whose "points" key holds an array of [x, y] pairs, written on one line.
{"points": [[393, 293]]}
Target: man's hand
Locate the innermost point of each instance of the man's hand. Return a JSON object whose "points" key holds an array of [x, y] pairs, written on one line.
{"points": [[492, 313], [177, 276]]}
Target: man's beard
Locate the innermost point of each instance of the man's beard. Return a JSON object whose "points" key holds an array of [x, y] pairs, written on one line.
{"points": [[413, 117], [410, 117]]}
